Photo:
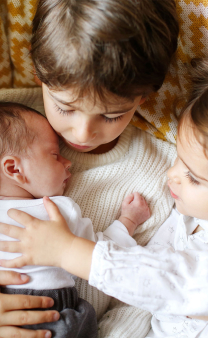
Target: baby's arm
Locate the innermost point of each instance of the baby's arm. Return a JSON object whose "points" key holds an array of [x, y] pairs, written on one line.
{"points": [[134, 212]]}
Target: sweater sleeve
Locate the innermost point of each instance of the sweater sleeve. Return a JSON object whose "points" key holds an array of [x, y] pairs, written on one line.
{"points": [[154, 279]]}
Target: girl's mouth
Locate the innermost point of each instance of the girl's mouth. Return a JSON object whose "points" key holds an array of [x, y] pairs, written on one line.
{"points": [[173, 195]]}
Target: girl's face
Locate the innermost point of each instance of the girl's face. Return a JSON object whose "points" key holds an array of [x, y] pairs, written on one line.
{"points": [[188, 178], [83, 124]]}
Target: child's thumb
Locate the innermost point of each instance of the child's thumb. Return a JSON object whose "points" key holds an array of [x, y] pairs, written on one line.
{"points": [[52, 209]]}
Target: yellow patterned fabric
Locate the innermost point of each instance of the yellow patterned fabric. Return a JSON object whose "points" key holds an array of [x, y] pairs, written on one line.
{"points": [[15, 34], [157, 113]]}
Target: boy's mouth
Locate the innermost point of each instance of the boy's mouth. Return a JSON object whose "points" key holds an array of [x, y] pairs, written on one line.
{"points": [[78, 146]]}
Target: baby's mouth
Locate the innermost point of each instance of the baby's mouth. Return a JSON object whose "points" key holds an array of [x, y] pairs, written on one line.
{"points": [[67, 179]]}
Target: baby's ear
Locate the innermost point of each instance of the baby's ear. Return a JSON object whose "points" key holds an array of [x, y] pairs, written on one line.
{"points": [[12, 168]]}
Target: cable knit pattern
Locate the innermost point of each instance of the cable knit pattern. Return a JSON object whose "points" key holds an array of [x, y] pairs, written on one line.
{"points": [[156, 115]]}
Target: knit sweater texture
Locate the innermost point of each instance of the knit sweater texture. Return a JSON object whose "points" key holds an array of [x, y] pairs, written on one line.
{"points": [[99, 183]]}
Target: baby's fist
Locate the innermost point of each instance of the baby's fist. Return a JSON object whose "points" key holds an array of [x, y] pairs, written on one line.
{"points": [[134, 211]]}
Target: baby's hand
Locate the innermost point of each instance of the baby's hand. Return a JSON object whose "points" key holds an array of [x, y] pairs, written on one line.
{"points": [[134, 212], [41, 242]]}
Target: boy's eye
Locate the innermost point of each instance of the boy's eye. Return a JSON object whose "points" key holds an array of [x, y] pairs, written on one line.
{"points": [[114, 119], [62, 111], [191, 178]]}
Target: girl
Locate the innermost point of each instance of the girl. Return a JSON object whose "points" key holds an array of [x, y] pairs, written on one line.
{"points": [[168, 277]]}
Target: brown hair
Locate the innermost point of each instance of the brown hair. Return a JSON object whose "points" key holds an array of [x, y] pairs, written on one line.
{"points": [[119, 46], [15, 135], [197, 105]]}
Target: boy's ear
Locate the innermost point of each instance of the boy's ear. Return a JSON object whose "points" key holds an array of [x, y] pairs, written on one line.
{"points": [[12, 168], [143, 99]]}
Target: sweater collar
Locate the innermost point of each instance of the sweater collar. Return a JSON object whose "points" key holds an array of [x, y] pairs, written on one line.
{"points": [[94, 160]]}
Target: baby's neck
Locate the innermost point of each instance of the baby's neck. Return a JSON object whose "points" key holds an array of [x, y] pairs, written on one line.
{"points": [[15, 198], [11, 191]]}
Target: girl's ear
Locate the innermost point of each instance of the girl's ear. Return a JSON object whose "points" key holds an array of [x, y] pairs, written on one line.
{"points": [[12, 167]]}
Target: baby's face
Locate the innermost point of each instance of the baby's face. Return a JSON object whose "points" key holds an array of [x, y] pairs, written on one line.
{"points": [[45, 169], [188, 178]]}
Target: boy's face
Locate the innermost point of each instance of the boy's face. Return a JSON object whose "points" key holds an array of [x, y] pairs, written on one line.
{"points": [[83, 125], [188, 178], [45, 169]]}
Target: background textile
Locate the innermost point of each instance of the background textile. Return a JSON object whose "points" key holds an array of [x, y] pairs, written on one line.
{"points": [[157, 114]]}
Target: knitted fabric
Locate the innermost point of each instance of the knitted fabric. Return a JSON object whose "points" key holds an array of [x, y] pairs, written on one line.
{"points": [[99, 183], [156, 115]]}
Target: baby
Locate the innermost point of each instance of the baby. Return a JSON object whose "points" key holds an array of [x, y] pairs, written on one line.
{"points": [[32, 167]]}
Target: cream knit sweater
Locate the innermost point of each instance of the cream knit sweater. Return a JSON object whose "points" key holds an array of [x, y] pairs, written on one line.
{"points": [[99, 183]]}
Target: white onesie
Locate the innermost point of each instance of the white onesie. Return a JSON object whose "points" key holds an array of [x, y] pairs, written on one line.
{"points": [[48, 277]]}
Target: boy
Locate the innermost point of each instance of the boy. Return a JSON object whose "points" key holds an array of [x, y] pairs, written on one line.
{"points": [[100, 52], [31, 167]]}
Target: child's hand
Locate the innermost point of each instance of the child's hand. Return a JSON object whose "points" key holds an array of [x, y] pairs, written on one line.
{"points": [[134, 212], [41, 242]]}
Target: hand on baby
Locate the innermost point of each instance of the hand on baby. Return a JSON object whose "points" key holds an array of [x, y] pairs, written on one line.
{"points": [[41, 242], [134, 212]]}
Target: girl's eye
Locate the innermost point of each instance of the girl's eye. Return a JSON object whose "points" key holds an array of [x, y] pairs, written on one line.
{"points": [[191, 179], [62, 111], [114, 119]]}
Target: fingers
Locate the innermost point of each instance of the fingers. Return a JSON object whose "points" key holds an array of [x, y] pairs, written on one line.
{"points": [[14, 263], [20, 216], [19, 318], [11, 230], [10, 246], [11, 332], [11, 277], [128, 199], [52, 209], [17, 302], [137, 196]]}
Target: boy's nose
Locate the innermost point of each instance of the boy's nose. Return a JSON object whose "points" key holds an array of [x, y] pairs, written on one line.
{"points": [[84, 133]]}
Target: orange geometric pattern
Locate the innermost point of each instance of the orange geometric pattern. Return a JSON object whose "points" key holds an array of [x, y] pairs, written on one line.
{"points": [[157, 114], [159, 109]]}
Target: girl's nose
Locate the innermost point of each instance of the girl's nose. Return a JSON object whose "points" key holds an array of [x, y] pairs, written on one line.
{"points": [[174, 175]]}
